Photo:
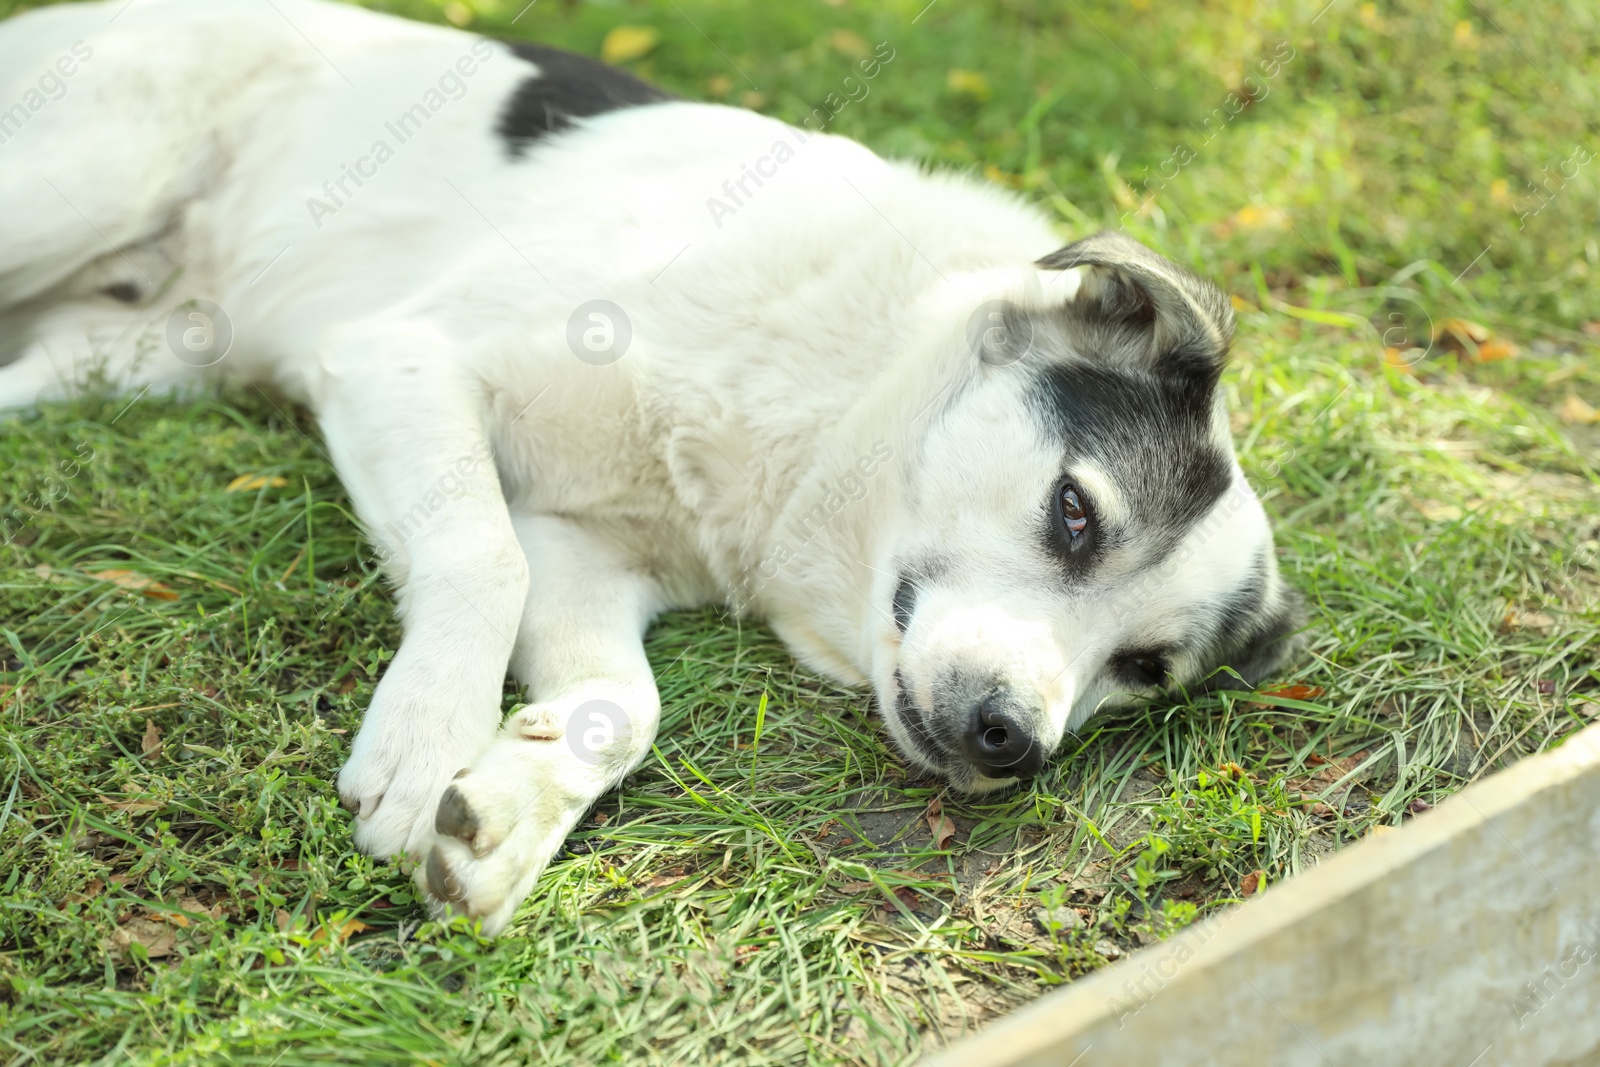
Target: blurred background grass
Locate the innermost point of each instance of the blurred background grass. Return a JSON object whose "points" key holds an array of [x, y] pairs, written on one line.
{"points": [[1335, 143]]}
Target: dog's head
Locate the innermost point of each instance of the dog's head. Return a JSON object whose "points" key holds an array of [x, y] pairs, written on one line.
{"points": [[1077, 531]]}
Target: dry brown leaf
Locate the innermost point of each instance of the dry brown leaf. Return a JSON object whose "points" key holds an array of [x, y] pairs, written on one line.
{"points": [[1527, 620], [135, 807], [1575, 411], [856, 887], [1460, 334], [150, 744], [1496, 348], [1250, 884], [1335, 769], [158, 940], [137, 583], [942, 828], [88, 892], [662, 880]]}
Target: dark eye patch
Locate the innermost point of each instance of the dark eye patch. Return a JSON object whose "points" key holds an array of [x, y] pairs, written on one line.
{"points": [[1142, 668]]}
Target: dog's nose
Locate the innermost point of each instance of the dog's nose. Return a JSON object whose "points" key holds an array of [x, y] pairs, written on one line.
{"points": [[998, 742]]}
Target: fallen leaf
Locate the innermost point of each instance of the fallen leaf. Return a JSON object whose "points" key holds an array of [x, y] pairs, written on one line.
{"points": [[1250, 884], [135, 807], [1575, 411], [88, 892], [662, 880], [939, 823], [907, 896], [337, 935], [150, 744], [1294, 692], [1527, 620], [1495, 349], [626, 43], [137, 583], [1335, 769], [1546, 687], [856, 887], [248, 482], [157, 940], [968, 82], [1460, 334], [1418, 806], [848, 43]]}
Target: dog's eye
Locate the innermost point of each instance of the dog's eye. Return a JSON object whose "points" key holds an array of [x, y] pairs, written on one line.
{"points": [[1142, 670], [1074, 516]]}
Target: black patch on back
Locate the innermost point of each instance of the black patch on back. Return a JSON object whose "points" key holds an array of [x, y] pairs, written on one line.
{"points": [[567, 86], [1151, 434]]}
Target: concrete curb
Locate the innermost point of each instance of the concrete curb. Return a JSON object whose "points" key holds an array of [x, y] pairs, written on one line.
{"points": [[1468, 938]]}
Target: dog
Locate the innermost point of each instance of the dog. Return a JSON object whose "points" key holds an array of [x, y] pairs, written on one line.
{"points": [[583, 352]]}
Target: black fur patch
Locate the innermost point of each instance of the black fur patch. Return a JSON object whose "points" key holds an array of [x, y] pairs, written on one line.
{"points": [[1250, 643], [1153, 437], [916, 724], [567, 87]]}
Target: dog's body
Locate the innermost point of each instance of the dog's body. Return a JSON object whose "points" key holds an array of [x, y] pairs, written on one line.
{"points": [[577, 370]]}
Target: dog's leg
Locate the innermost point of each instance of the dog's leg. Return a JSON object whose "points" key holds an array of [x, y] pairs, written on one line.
{"points": [[579, 650], [406, 429]]}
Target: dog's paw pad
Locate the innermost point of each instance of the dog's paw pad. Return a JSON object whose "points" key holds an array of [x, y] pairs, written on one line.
{"points": [[455, 817], [442, 880], [536, 723]]}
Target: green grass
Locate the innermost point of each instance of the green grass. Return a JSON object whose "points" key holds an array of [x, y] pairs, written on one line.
{"points": [[177, 883]]}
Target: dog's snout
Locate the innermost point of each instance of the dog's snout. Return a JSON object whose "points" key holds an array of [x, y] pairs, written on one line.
{"points": [[999, 741]]}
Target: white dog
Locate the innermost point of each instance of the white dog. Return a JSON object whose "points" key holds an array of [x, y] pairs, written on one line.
{"points": [[583, 352]]}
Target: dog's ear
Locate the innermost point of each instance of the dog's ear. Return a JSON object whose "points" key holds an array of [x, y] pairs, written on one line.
{"points": [[1137, 300]]}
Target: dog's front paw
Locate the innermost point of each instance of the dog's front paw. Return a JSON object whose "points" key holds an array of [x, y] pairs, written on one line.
{"points": [[498, 824], [403, 759]]}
